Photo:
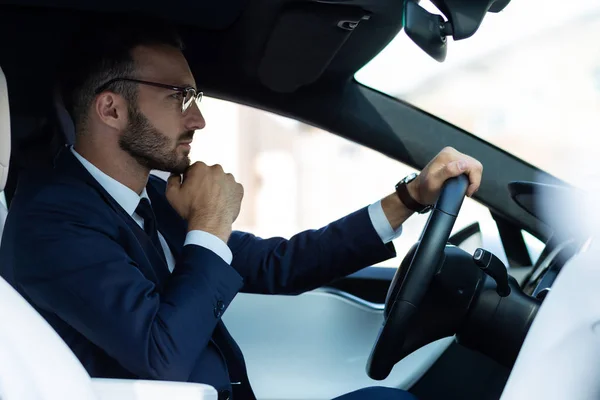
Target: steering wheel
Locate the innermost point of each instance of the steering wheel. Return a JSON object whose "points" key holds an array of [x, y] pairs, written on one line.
{"points": [[410, 284]]}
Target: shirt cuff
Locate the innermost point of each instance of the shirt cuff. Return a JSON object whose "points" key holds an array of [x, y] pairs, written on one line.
{"points": [[381, 224], [210, 242]]}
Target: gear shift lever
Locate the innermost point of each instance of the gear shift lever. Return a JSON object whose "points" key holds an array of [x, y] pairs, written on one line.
{"points": [[492, 266]]}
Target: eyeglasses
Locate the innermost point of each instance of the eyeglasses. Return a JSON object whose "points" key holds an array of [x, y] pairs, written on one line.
{"points": [[188, 93]]}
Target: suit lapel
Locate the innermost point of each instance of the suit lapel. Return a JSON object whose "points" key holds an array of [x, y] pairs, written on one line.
{"points": [[170, 224], [160, 269], [66, 163]]}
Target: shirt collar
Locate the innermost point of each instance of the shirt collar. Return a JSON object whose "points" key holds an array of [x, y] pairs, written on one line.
{"points": [[127, 198]]}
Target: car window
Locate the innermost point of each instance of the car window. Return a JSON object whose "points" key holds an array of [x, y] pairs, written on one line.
{"points": [[298, 177], [527, 81], [534, 246]]}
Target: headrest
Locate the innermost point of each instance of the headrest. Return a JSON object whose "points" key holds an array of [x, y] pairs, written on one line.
{"points": [[4, 131]]}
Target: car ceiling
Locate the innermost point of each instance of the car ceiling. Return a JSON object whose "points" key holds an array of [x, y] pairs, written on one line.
{"points": [[281, 45], [289, 57]]}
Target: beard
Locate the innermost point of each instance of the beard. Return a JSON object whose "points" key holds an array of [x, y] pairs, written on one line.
{"points": [[151, 148]]}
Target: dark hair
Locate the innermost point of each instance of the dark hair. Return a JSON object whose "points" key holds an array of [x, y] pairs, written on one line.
{"points": [[101, 51]]}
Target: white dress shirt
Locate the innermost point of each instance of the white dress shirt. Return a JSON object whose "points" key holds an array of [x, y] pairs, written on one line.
{"points": [[129, 200]]}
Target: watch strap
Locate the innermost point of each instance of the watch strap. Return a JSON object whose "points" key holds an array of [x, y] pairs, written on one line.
{"points": [[408, 201]]}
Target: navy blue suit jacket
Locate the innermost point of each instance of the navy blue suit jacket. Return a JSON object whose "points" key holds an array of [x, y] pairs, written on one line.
{"points": [[92, 272]]}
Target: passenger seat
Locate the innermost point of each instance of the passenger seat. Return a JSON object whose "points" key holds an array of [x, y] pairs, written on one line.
{"points": [[35, 363], [4, 145]]}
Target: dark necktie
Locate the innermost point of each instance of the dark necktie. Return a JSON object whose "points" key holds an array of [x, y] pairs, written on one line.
{"points": [[144, 210]]}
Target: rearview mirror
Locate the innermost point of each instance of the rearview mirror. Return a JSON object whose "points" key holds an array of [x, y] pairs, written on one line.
{"points": [[429, 31]]}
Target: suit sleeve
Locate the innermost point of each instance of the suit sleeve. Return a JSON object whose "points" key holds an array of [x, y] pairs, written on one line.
{"points": [[80, 272], [309, 259]]}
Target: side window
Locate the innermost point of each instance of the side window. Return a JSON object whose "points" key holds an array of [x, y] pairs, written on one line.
{"points": [[299, 177]]}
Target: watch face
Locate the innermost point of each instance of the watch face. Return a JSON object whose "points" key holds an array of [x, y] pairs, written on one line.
{"points": [[410, 178], [427, 208]]}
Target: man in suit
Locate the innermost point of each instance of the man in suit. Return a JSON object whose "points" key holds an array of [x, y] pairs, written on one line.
{"points": [[135, 273]]}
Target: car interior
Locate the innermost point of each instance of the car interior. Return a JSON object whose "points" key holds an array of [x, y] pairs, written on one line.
{"points": [[447, 323]]}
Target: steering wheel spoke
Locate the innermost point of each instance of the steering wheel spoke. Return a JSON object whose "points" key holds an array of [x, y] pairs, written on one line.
{"points": [[413, 278]]}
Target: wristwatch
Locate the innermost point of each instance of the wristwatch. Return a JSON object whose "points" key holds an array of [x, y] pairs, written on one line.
{"points": [[406, 198]]}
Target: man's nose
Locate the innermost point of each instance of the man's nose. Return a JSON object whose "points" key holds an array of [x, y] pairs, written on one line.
{"points": [[194, 119]]}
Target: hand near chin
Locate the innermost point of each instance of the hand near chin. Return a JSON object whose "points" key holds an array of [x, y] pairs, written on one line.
{"points": [[207, 198]]}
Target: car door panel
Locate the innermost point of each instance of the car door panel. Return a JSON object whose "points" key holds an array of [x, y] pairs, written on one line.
{"points": [[316, 345]]}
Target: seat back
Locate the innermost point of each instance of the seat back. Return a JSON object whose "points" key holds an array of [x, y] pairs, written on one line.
{"points": [[65, 123], [35, 363]]}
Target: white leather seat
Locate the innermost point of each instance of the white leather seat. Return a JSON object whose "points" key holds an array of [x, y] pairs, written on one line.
{"points": [[4, 143], [35, 363]]}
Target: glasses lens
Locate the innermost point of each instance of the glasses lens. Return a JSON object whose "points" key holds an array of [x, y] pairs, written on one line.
{"points": [[188, 98], [199, 98]]}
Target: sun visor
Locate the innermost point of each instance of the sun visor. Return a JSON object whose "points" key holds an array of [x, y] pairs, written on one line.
{"points": [[304, 40]]}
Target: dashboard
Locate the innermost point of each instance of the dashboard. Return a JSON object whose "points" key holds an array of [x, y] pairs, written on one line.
{"points": [[543, 274]]}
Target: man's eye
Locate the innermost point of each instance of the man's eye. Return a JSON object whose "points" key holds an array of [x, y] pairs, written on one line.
{"points": [[177, 96]]}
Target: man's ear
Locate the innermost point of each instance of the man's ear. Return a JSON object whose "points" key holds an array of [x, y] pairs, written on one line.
{"points": [[111, 109]]}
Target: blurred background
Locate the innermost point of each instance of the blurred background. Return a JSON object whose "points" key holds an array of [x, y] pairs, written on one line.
{"points": [[528, 82]]}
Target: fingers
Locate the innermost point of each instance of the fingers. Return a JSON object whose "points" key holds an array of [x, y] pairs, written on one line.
{"points": [[472, 189], [468, 166], [174, 182], [475, 172], [450, 170], [454, 164]]}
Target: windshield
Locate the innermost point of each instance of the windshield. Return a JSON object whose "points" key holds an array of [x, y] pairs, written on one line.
{"points": [[528, 82]]}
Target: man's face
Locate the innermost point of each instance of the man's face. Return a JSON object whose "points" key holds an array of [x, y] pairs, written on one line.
{"points": [[158, 135]]}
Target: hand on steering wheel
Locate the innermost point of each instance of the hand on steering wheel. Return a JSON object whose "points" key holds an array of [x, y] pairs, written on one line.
{"points": [[410, 284]]}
